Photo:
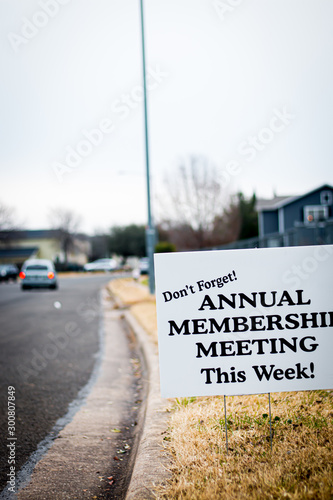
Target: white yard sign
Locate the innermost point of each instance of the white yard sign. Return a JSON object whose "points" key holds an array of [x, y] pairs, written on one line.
{"points": [[245, 321]]}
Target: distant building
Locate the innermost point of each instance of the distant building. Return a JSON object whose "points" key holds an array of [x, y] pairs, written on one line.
{"points": [[19, 245], [286, 212], [285, 221]]}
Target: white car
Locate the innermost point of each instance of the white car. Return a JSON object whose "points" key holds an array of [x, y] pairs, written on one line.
{"points": [[38, 273], [144, 265], [101, 265]]}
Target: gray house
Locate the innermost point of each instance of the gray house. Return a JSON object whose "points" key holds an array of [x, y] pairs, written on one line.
{"points": [[284, 213]]}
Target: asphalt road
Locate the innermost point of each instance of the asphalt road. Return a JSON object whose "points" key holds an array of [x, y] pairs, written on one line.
{"points": [[49, 344]]}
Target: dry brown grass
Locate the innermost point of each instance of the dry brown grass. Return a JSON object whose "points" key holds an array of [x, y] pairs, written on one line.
{"points": [[128, 290], [142, 304], [145, 313], [299, 467]]}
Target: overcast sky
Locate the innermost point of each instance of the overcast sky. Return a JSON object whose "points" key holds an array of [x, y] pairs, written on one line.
{"points": [[247, 84]]}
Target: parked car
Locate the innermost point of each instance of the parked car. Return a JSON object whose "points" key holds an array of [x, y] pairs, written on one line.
{"points": [[101, 265], [8, 272], [38, 273], [144, 265]]}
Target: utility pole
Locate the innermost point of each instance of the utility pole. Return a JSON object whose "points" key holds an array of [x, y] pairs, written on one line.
{"points": [[150, 229]]}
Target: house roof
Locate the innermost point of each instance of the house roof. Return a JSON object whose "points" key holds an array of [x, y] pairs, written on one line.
{"points": [[17, 252], [281, 201], [35, 234], [273, 203], [31, 234]]}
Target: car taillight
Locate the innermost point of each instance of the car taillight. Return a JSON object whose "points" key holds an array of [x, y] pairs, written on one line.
{"points": [[22, 275], [50, 275]]}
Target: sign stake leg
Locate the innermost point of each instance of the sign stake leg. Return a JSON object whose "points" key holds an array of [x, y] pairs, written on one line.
{"points": [[226, 426], [270, 421]]}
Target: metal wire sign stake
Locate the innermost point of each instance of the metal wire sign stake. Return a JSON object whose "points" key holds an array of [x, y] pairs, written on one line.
{"points": [[226, 425], [270, 420]]}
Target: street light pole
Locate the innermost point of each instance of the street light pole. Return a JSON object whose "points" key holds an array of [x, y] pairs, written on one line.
{"points": [[150, 230]]}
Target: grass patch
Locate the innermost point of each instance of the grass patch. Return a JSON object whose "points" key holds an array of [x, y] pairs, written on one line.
{"points": [[135, 294], [129, 291], [299, 467]]}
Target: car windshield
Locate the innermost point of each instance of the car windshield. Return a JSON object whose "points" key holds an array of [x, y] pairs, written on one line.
{"points": [[37, 267]]}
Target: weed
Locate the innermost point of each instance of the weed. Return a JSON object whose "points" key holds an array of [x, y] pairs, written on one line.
{"points": [[185, 401]]}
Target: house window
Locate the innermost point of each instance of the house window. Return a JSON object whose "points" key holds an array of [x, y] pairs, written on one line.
{"points": [[315, 213], [326, 198]]}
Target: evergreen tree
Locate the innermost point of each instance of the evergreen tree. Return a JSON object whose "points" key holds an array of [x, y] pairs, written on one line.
{"points": [[248, 216]]}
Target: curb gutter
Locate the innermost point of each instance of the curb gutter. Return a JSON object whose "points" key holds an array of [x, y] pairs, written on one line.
{"points": [[152, 463]]}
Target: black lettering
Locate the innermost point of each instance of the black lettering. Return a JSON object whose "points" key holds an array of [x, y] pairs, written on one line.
{"points": [[207, 371], [306, 320], [207, 301], [301, 372], [252, 302], [256, 322], [221, 374], [214, 326], [274, 319], [184, 326], [260, 344], [240, 324], [273, 346], [294, 322], [230, 302], [167, 296], [278, 374], [284, 342], [263, 301], [323, 319], [331, 318], [290, 373], [233, 375], [226, 348], [206, 352], [311, 347], [243, 347], [197, 325], [262, 372], [286, 298], [300, 299]]}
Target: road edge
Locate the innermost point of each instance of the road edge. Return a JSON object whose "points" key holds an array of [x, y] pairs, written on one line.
{"points": [[152, 463]]}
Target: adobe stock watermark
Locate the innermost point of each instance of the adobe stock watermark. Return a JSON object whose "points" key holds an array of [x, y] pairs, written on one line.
{"points": [[297, 273], [224, 7], [59, 341], [30, 28], [255, 144], [91, 139], [40, 358]]}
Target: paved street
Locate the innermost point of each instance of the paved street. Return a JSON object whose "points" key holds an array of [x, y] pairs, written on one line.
{"points": [[49, 344]]}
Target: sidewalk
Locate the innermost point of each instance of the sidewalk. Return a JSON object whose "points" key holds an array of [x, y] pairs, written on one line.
{"points": [[152, 462], [100, 436]]}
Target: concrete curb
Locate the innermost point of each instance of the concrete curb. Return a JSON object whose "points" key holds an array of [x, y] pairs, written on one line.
{"points": [[152, 463], [79, 462]]}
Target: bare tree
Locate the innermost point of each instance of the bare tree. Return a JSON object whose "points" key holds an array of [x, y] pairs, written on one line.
{"points": [[228, 225], [194, 200], [8, 224], [7, 218], [67, 223]]}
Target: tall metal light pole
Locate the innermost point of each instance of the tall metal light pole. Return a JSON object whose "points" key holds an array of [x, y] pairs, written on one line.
{"points": [[150, 230]]}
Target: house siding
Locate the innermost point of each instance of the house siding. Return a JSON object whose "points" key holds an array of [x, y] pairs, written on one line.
{"points": [[47, 248], [291, 213], [294, 212], [271, 222]]}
